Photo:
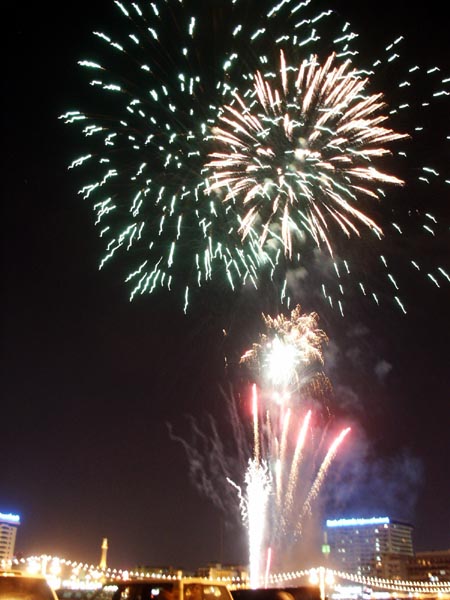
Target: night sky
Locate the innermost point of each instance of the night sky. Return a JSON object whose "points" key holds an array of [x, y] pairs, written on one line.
{"points": [[92, 384]]}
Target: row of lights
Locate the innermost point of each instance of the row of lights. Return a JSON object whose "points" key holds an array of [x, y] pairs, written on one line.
{"points": [[52, 566], [397, 585]]}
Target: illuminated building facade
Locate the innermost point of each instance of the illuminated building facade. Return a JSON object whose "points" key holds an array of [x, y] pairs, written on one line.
{"points": [[8, 529], [377, 547]]}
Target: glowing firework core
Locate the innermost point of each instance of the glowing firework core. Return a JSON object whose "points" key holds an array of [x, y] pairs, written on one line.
{"points": [[282, 361], [285, 354]]}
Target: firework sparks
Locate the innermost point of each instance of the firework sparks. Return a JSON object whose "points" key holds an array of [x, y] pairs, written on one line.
{"points": [[254, 504], [274, 506], [273, 490], [288, 354], [275, 454], [148, 194], [282, 458], [298, 159], [315, 488], [301, 143], [371, 264], [296, 461]]}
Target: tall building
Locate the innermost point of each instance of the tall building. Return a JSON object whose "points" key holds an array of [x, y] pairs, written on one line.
{"points": [[8, 529], [377, 547]]}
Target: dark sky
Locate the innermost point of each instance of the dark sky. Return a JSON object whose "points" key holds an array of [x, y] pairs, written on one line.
{"points": [[90, 381]]}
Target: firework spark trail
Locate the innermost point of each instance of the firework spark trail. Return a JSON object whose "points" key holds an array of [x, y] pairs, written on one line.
{"points": [[299, 156], [268, 566], [211, 462], [255, 423], [254, 504], [413, 89], [276, 470], [272, 438], [293, 474], [265, 476], [282, 457], [315, 488]]}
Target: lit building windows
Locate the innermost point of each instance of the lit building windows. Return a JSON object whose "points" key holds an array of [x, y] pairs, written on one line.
{"points": [[367, 549]]}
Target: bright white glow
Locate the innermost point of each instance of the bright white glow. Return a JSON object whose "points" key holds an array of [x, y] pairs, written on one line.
{"points": [[282, 361], [10, 518], [357, 522], [258, 489]]}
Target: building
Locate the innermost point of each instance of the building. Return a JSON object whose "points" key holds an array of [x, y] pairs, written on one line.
{"points": [[8, 529], [375, 547], [430, 566], [219, 571]]}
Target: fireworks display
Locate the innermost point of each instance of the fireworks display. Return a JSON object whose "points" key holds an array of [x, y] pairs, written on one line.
{"points": [[246, 147], [282, 466], [181, 177], [254, 504], [288, 353], [146, 155], [275, 478], [281, 484], [220, 156]]}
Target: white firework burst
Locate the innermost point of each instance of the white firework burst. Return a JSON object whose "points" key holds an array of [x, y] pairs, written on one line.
{"points": [[301, 155]]}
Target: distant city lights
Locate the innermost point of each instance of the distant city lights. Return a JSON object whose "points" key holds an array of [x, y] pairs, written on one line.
{"points": [[357, 522]]}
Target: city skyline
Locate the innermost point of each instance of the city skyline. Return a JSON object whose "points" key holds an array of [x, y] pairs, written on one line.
{"points": [[377, 547], [92, 382]]}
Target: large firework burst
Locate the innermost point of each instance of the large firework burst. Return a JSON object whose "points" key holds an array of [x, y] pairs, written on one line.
{"points": [[299, 156], [146, 154]]}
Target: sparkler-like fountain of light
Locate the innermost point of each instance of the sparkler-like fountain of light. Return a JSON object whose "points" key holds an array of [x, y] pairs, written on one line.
{"points": [[273, 506], [254, 501]]}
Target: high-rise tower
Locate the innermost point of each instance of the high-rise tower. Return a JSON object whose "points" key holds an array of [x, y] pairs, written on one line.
{"points": [[377, 546], [8, 529]]}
